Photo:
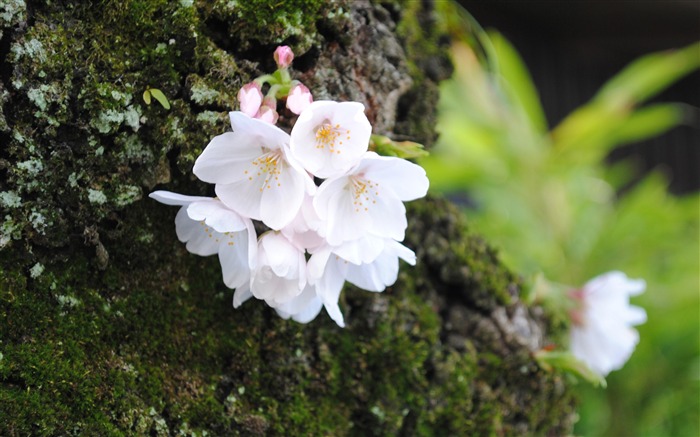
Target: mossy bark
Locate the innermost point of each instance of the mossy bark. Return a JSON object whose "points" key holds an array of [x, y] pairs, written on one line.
{"points": [[108, 325]]}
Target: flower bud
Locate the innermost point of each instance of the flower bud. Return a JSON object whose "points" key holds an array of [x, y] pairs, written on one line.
{"points": [[270, 102], [283, 56], [267, 114], [299, 98], [250, 98]]}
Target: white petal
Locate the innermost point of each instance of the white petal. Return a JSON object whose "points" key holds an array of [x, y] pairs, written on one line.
{"points": [[280, 273], [282, 198], [302, 308], [242, 197], [403, 252], [241, 295], [273, 289], [329, 286], [384, 270], [233, 257], [226, 156], [361, 251], [281, 255], [388, 217], [200, 239], [376, 275], [252, 245], [334, 203], [635, 316], [614, 282], [263, 133], [170, 198], [217, 215], [310, 312], [317, 264], [407, 180]]}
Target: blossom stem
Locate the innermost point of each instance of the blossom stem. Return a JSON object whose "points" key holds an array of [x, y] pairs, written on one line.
{"points": [[267, 78]]}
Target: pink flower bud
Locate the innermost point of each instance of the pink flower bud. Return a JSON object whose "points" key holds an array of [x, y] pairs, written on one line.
{"points": [[267, 115], [299, 98], [249, 98], [284, 56], [270, 102]]}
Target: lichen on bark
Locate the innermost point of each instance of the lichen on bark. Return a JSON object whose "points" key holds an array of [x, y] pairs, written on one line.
{"points": [[108, 325]]}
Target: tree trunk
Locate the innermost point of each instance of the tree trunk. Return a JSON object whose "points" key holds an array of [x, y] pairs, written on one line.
{"points": [[109, 326]]}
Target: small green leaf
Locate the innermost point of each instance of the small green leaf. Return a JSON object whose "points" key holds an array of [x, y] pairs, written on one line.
{"points": [[403, 149], [549, 360], [649, 122], [147, 96], [649, 75], [158, 95]]}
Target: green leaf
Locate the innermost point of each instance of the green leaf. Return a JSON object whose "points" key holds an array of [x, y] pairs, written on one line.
{"points": [[648, 122], [595, 128], [565, 361], [403, 149], [517, 81], [649, 75], [147, 96], [158, 95]]}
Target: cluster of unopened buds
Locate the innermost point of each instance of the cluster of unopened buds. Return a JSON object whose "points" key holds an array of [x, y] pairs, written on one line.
{"points": [[334, 210]]}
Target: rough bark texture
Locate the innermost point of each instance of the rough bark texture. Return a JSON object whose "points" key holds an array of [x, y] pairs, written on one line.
{"points": [[108, 325]]}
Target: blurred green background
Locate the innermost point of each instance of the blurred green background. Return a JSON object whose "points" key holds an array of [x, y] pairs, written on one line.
{"points": [[554, 203]]}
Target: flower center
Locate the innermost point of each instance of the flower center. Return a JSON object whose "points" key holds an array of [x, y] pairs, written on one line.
{"points": [[330, 136], [364, 193], [267, 169]]}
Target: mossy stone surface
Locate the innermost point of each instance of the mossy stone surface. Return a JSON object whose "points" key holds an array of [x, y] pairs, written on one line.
{"points": [[108, 326]]}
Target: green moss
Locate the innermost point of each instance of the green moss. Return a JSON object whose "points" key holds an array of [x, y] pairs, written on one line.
{"points": [[155, 342], [262, 23], [423, 30]]}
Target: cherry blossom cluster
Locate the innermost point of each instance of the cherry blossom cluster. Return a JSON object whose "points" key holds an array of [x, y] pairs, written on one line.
{"points": [[333, 210]]}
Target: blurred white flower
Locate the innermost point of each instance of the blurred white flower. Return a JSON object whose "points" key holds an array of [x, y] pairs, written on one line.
{"points": [[330, 137], [601, 334], [253, 173]]}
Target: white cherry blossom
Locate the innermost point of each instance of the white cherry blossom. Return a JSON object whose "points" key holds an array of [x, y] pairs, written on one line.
{"points": [[368, 199], [601, 334], [330, 137], [280, 271], [207, 228], [330, 267], [253, 172], [350, 226]]}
